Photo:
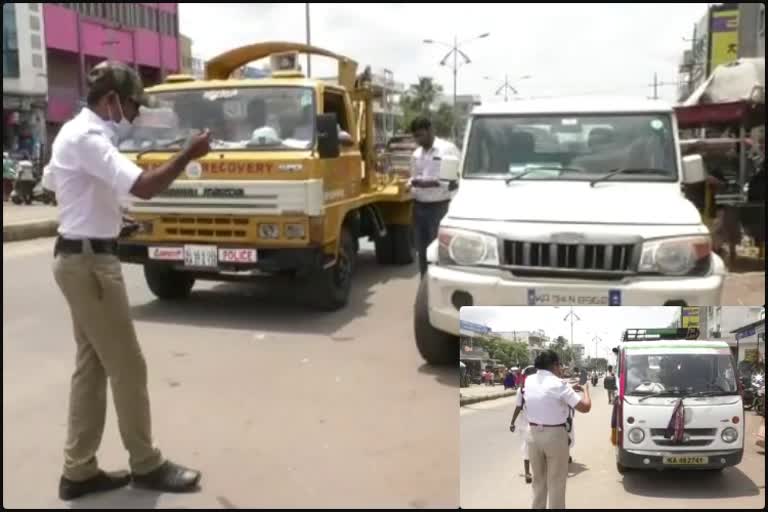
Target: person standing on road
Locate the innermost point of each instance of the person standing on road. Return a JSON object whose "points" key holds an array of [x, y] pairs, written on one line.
{"points": [[430, 195], [610, 384], [548, 400], [89, 177], [520, 409]]}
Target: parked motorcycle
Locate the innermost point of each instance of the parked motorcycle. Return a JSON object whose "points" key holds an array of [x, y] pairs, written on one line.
{"points": [[758, 404], [34, 191]]}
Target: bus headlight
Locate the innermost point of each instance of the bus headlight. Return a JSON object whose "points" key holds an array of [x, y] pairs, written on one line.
{"points": [[269, 231], [730, 435], [636, 435], [294, 231]]}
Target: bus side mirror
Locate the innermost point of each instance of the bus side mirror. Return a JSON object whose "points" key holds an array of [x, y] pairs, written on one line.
{"points": [[693, 169], [328, 144]]}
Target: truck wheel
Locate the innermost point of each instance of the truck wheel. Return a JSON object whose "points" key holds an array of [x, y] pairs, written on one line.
{"points": [[397, 247], [435, 346], [329, 288], [167, 283], [621, 469]]}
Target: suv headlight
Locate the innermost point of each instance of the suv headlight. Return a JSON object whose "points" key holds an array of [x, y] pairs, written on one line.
{"points": [[675, 256], [462, 247]]}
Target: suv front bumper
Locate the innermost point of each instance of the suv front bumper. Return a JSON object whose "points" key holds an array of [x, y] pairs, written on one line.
{"points": [[499, 288]]}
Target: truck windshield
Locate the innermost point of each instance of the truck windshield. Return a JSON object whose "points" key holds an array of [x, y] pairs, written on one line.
{"points": [[572, 147], [680, 374], [254, 118]]}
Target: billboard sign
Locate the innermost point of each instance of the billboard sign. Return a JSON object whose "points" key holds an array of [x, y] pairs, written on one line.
{"points": [[724, 28], [473, 328], [690, 318]]}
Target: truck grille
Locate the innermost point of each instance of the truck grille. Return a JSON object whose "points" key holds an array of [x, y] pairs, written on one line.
{"points": [[570, 257], [204, 227]]}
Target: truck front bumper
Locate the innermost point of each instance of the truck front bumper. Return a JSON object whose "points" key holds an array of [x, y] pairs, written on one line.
{"points": [[655, 460], [450, 287]]}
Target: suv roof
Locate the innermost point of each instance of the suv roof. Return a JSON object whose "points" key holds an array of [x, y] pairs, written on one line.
{"points": [[575, 105]]}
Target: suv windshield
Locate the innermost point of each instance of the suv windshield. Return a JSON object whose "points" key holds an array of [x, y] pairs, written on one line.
{"points": [[573, 147], [254, 118], [680, 374]]}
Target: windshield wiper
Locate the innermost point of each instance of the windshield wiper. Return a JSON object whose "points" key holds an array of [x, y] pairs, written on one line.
{"points": [[161, 147], [627, 170], [540, 168], [670, 392]]}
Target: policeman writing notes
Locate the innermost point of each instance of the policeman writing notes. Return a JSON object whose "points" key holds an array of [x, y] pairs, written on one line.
{"points": [[548, 400], [90, 177], [430, 195]]}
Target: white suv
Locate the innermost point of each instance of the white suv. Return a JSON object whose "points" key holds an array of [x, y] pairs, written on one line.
{"points": [[567, 202]]}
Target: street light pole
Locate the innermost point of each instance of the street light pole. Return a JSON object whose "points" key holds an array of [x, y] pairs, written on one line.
{"points": [[455, 50], [309, 57]]}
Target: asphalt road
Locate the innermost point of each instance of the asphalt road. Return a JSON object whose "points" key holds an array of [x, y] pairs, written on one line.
{"points": [[492, 468], [277, 405]]}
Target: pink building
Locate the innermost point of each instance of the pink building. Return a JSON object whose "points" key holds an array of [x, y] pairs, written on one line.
{"points": [[79, 35]]}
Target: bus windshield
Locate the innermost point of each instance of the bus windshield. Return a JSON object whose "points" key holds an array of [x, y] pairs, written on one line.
{"points": [[680, 374]]}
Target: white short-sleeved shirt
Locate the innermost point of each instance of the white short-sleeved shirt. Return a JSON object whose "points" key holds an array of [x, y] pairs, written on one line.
{"points": [[90, 177], [425, 165], [548, 399]]}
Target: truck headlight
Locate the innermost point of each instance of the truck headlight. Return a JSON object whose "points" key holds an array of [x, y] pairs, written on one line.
{"points": [[730, 435], [636, 435], [675, 256], [462, 247], [294, 231], [269, 231]]}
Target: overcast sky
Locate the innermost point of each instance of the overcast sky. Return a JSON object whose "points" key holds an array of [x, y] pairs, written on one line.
{"points": [[607, 323], [569, 49]]}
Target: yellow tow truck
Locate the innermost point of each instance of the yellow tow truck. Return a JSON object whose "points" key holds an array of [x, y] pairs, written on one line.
{"points": [[290, 186]]}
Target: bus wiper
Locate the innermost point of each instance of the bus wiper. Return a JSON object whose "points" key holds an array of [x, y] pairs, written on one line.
{"points": [[540, 168], [627, 170]]}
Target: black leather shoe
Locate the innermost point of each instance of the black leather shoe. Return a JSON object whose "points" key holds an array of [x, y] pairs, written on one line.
{"points": [[102, 482], [169, 477]]}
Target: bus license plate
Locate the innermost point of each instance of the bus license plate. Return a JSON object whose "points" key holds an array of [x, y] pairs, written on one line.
{"points": [[685, 461], [201, 256]]}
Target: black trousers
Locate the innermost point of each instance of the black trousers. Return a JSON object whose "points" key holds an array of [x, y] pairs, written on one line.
{"points": [[426, 221]]}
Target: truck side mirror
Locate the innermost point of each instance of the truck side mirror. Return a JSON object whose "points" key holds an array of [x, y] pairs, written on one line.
{"points": [[449, 168], [693, 169], [328, 144]]}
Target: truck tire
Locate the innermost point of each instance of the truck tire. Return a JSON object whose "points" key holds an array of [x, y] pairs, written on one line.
{"points": [[329, 288], [167, 283], [435, 346], [621, 468], [397, 247]]}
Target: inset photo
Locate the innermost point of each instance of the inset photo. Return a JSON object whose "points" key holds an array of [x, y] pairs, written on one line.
{"points": [[607, 408]]}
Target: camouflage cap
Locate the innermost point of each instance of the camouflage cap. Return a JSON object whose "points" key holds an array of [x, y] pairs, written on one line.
{"points": [[111, 75]]}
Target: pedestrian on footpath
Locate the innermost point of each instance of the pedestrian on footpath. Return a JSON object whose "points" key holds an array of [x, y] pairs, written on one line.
{"points": [[548, 402], [431, 196], [90, 177], [520, 411]]}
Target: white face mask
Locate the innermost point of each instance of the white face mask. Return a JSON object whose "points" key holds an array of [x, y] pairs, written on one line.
{"points": [[121, 128]]}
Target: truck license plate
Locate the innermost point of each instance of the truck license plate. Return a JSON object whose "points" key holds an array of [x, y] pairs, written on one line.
{"points": [[238, 255], [568, 298], [205, 256], [685, 461]]}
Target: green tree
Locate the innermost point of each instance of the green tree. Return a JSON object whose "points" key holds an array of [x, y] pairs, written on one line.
{"points": [[443, 120], [563, 350], [418, 101]]}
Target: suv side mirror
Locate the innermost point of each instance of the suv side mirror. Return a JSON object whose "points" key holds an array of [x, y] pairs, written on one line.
{"points": [[449, 168], [693, 169], [328, 145]]}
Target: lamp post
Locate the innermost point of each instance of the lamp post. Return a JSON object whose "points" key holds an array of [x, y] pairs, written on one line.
{"points": [[507, 86], [455, 51]]}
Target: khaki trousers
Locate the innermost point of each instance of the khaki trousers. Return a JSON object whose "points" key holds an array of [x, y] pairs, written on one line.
{"points": [[548, 452], [107, 349]]}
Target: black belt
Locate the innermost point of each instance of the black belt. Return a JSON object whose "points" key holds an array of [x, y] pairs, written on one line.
{"points": [[548, 426], [98, 245]]}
